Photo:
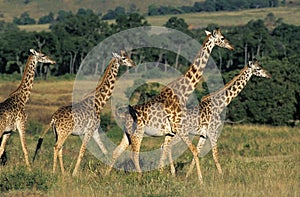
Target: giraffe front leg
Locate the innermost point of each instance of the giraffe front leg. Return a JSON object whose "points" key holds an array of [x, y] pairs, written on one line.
{"points": [[117, 152], [167, 150], [200, 145], [21, 128], [193, 149], [96, 137], [85, 141]]}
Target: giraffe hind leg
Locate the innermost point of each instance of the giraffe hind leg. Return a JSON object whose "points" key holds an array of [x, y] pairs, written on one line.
{"points": [[216, 158], [136, 141], [21, 128], [3, 141], [57, 151]]}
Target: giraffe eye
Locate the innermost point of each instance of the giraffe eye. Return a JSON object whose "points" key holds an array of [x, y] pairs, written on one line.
{"points": [[222, 38]]}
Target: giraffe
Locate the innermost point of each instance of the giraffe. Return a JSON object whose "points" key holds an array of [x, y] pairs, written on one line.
{"points": [[169, 103], [12, 111], [83, 117], [205, 118]]}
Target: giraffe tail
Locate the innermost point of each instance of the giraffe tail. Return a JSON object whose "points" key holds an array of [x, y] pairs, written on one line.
{"points": [[40, 141], [133, 114]]}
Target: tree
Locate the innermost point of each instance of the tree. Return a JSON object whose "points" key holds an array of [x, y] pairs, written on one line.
{"points": [[76, 36], [24, 19], [46, 19], [132, 20]]}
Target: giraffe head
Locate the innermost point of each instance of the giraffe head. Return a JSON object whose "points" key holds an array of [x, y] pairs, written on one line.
{"points": [[218, 39], [123, 59], [40, 57], [257, 70]]}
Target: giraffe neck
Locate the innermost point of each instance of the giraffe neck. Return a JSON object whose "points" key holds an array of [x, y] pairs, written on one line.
{"points": [[23, 91], [186, 84], [104, 90], [223, 97]]}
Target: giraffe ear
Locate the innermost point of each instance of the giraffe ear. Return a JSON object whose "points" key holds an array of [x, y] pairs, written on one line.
{"points": [[32, 51], [207, 32], [250, 63], [116, 55], [215, 32]]}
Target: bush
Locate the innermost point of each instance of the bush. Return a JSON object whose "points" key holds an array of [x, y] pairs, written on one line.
{"points": [[21, 179]]}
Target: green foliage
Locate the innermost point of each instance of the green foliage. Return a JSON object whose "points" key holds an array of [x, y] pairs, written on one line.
{"points": [[34, 127], [178, 24], [267, 101], [24, 19], [46, 19], [21, 179], [210, 6]]}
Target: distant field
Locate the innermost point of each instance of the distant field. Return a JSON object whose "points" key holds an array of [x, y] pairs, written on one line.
{"points": [[195, 20], [39, 8], [289, 15]]}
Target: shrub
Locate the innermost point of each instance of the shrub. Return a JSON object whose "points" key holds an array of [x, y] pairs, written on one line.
{"points": [[21, 179]]}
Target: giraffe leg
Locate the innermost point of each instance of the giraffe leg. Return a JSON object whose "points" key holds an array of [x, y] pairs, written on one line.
{"points": [[21, 128], [117, 152], [57, 149], [167, 149], [57, 152], [195, 155], [200, 145], [172, 167], [85, 141], [96, 137], [5, 138], [216, 158], [60, 158], [136, 141]]}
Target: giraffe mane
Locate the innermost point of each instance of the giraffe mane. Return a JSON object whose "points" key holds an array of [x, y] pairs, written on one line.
{"points": [[226, 85], [24, 74], [102, 81]]}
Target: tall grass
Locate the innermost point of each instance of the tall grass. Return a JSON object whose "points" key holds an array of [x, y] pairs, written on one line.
{"points": [[256, 161]]}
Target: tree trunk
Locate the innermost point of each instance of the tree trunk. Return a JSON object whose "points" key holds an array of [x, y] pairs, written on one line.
{"points": [[246, 53], [19, 63], [177, 57]]}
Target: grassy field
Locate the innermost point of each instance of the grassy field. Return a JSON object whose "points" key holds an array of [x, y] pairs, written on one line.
{"points": [[197, 20], [256, 160], [36, 9]]}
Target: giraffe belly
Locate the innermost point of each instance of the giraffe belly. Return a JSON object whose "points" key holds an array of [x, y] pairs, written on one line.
{"points": [[11, 127], [154, 132]]}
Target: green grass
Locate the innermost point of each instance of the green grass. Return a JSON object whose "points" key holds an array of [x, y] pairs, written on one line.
{"points": [[256, 161]]}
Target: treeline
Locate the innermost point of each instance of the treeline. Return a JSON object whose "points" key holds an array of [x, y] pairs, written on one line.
{"points": [[212, 6], [273, 101]]}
